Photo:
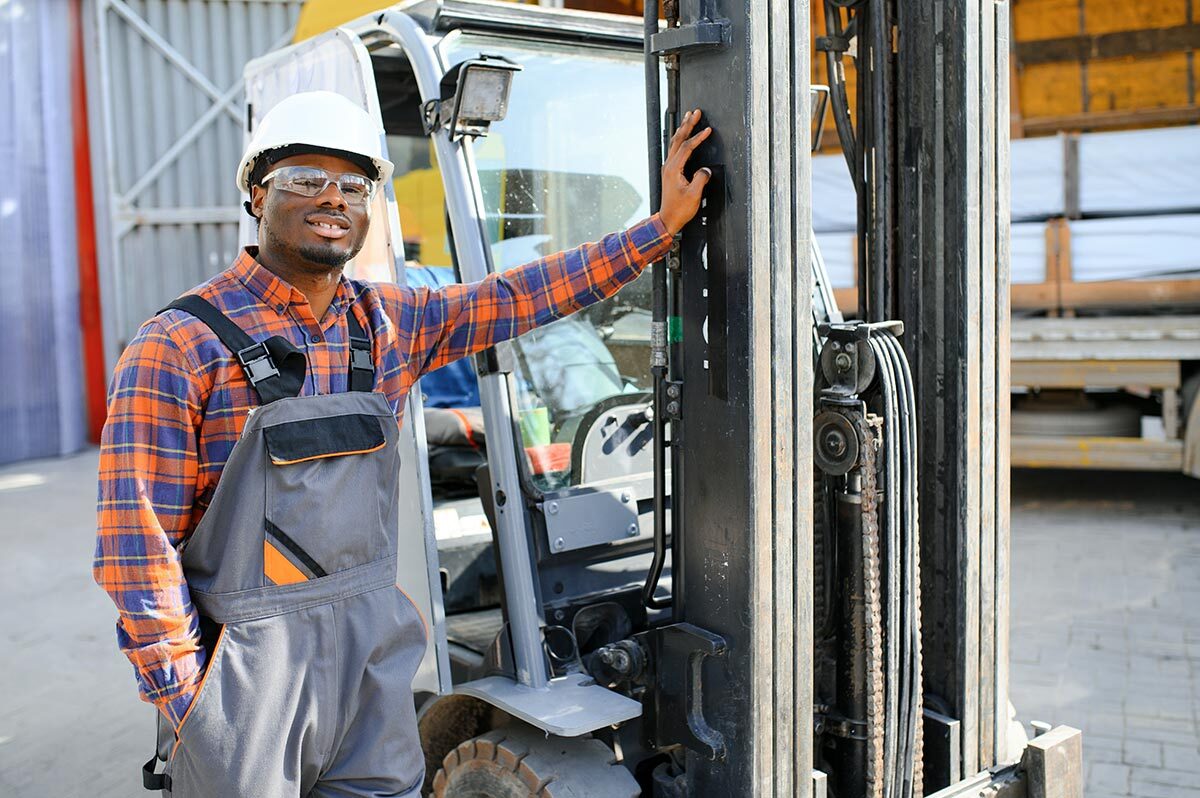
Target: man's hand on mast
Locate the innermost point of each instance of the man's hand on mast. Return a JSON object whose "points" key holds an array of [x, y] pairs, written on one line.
{"points": [[680, 196]]}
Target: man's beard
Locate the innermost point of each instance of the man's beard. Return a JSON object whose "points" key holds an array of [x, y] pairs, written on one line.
{"points": [[325, 255]]}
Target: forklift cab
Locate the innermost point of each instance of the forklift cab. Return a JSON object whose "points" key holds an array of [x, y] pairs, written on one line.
{"points": [[525, 578]]}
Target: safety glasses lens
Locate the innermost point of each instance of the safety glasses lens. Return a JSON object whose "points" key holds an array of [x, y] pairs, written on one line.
{"points": [[309, 182], [355, 188]]}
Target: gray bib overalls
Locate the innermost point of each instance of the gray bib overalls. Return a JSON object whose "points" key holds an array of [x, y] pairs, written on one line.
{"points": [[311, 646]]}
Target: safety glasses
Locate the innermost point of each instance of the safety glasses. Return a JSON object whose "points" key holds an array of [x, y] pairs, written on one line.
{"points": [[309, 181]]}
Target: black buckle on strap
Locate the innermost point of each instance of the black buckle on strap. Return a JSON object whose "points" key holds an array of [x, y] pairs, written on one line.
{"points": [[257, 363], [360, 355], [152, 781]]}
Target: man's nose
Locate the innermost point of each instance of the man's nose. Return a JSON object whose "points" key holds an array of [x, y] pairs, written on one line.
{"points": [[332, 197]]}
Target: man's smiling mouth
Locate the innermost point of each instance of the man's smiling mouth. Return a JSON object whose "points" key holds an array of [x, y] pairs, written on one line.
{"points": [[328, 226]]}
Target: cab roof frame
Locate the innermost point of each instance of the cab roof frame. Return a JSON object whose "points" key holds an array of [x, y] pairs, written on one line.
{"points": [[440, 17]]}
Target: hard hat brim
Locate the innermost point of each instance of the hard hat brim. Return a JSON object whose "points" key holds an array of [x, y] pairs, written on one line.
{"points": [[265, 160]]}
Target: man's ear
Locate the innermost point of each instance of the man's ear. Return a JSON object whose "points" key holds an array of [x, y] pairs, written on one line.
{"points": [[258, 197]]}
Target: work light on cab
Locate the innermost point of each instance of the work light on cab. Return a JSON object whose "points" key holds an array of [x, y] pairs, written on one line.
{"points": [[474, 94]]}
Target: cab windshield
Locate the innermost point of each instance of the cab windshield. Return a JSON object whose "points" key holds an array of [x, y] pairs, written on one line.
{"points": [[567, 166]]}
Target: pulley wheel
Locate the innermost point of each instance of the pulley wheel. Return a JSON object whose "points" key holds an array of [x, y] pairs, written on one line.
{"points": [[835, 443], [837, 358]]}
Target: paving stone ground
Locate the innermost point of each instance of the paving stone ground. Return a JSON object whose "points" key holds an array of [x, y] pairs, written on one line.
{"points": [[1106, 623], [1105, 633], [71, 724]]}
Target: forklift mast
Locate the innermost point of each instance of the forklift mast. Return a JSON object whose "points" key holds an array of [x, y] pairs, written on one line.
{"points": [[741, 442]]}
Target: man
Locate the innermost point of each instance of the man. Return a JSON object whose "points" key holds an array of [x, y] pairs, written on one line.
{"points": [[248, 474]]}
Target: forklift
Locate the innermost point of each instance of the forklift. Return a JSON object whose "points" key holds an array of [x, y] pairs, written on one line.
{"points": [[720, 540]]}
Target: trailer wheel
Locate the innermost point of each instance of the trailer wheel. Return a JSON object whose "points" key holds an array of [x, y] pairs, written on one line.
{"points": [[518, 761]]}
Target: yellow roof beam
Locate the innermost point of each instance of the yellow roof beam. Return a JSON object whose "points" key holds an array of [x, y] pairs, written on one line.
{"points": [[318, 16]]}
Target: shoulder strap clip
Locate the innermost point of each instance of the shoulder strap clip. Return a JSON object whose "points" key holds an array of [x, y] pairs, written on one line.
{"points": [[256, 362], [360, 354], [362, 365]]}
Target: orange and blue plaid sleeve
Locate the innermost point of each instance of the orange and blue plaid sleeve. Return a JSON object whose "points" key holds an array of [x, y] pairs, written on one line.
{"points": [[458, 320], [147, 481]]}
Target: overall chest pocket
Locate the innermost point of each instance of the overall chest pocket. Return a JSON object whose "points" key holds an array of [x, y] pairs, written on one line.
{"points": [[331, 496]]}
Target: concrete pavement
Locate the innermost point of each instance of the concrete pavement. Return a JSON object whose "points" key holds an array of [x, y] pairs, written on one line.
{"points": [[71, 724]]}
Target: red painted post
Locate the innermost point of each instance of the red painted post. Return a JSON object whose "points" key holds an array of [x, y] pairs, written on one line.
{"points": [[91, 318]]}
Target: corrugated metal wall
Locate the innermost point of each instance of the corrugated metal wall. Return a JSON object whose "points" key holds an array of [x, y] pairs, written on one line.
{"points": [[165, 101], [41, 400]]}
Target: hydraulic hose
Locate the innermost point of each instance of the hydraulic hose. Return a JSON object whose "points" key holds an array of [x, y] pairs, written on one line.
{"points": [[658, 322], [891, 573], [903, 773], [902, 741], [836, 70], [913, 776]]}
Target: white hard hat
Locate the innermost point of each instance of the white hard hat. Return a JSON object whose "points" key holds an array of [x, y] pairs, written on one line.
{"points": [[317, 121]]}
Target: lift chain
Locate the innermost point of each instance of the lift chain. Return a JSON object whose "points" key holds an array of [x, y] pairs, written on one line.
{"points": [[870, 429]]}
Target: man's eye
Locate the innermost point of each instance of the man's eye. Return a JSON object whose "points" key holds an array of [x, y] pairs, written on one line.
{"points": [[354, 190], [309, 183]]}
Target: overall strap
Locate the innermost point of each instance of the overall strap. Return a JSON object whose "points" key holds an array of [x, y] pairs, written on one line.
{"points": [[362, 366], [258, 360]]}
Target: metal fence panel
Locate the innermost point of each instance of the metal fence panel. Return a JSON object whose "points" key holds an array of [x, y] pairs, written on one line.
{"points": [[165, 101], [41, 401]]}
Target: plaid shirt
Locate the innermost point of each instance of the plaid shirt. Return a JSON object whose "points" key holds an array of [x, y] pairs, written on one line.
{"points": [[178, 402]]}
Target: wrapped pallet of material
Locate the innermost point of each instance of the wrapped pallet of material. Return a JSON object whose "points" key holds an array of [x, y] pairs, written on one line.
{"points": [[1038, 182], [1138, 172], [1136, 248], [1027, 253], [1138, 193]]}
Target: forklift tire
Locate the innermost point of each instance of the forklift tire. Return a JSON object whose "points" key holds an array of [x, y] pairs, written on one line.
{"points": [[518, 761]]}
